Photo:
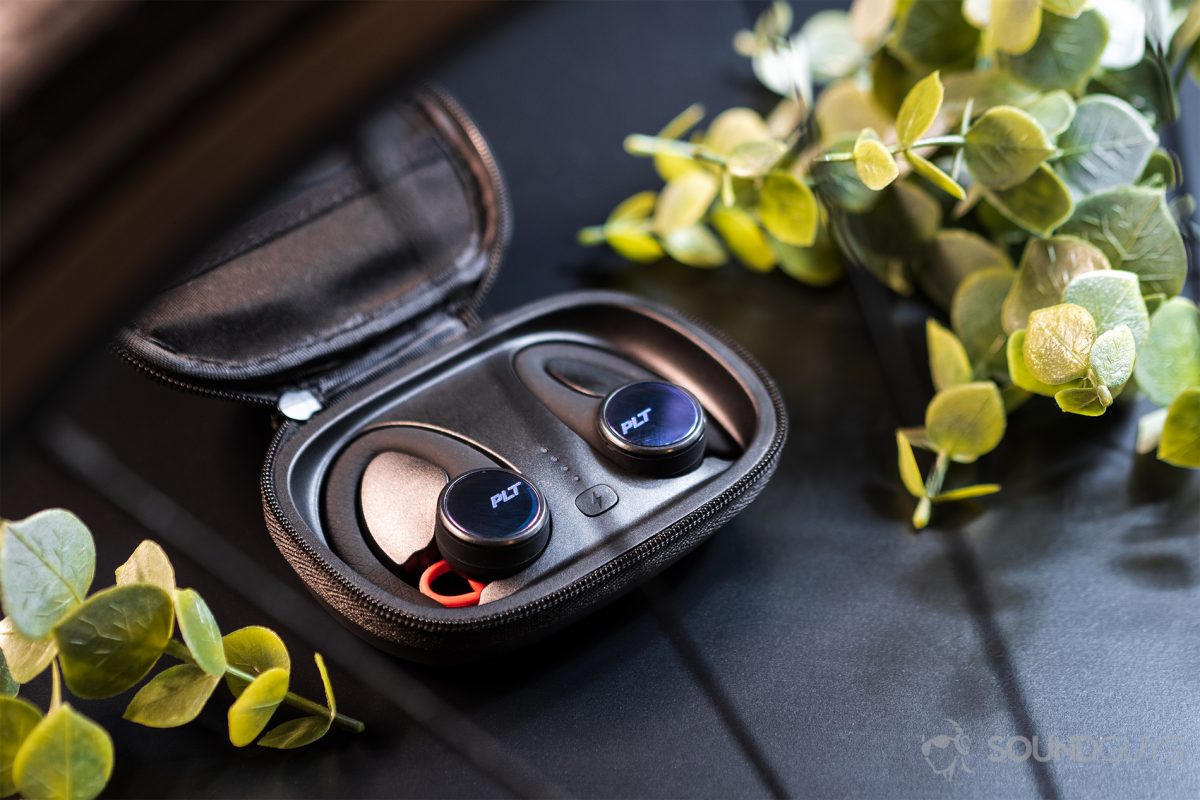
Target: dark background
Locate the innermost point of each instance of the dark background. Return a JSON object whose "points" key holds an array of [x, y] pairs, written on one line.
{"points": [[1065, 606]]}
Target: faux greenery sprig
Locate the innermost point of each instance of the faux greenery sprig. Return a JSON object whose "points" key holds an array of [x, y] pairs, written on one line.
{"points": [[104, 644], [950, 140]]}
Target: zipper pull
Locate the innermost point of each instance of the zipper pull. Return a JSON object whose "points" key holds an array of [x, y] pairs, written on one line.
{"points": [[299, 404]]}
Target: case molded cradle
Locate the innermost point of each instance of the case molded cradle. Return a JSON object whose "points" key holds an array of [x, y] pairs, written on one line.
{"points": [[396, 241]]}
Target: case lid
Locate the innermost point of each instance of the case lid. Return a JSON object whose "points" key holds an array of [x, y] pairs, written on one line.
{"points": [[380, 247]]}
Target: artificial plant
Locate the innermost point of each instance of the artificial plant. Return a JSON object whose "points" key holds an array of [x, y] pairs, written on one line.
{"points": [[999, 156], [103, 644]]}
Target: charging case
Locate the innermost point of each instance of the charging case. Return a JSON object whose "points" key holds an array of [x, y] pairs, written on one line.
{"points": [[349, 303]]}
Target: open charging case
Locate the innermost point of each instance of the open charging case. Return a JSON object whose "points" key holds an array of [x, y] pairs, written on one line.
{"points": [[349, 303]]}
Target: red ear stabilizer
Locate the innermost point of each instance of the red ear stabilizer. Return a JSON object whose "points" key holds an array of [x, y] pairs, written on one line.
{"points": [[436, 570]]}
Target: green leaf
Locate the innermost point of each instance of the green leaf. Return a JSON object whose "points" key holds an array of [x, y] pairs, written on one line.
{"points": [[1133, 227], [1162, 170], [200, 631], [1084, 402], [295, 733], [1113, 299], [819, 265], [844, 109], [1112, 356], [627, 229], [948, 362], [930, 172], [631, 241], [933, 33], [1147, 86], [635, 207], [734, 127], [1107, 144], [669, 166], [148, 564], [27, 658], [975, 315], [833, 51], [1019, 372], [684, 201], [1065, 54], [110, 642], [18, 718], [8, 684], [47, 562], [910, 473], [1058, 342], [1047, 267], [254, 650], [304, 731], [1039, 205], [954, 255], [754, 159], [1015, 24], [1169, 362], [838, 183], [1180, 442], [253, 708], [1004, 147], [875, 165], [987, 88], [65, 756], [1149, 431], [966, 421], [1053, 111], [919, 109], [743, 236], [695, 246], [173, 697], [788, 209], [1065, 8], [966, 493]]}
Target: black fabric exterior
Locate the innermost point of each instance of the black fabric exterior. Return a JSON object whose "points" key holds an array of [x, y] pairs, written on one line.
{"points": [[385, 229]]}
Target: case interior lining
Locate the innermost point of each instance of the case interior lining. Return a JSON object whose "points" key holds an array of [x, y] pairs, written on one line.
{"points": [[371, 237]]}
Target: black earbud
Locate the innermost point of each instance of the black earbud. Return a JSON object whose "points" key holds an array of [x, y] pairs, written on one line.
{"points": [[491, 523], [652, 428]]}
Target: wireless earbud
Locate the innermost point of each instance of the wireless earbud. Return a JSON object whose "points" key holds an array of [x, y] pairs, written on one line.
{"points": [[652, 428], [491, 523]]}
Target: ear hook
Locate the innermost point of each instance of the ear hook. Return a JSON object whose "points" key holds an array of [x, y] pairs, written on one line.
{"points": [[436, 570]]}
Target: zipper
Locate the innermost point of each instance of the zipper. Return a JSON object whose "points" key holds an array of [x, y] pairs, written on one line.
{"points": [[655, 544], [503, 205], [194, 388]]}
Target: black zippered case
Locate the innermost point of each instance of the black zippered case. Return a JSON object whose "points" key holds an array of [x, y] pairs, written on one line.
{"points": [[350, 304]]}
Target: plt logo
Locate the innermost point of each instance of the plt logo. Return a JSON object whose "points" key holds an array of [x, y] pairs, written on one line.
{"points": [[506, 495], [947, 753], [636, 421]]}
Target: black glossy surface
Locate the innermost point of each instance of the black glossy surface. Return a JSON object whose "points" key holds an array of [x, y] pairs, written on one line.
{"points": [[1065, 606]]}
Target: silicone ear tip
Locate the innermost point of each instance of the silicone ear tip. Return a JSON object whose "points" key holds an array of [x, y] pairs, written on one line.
{"points": [[436, 570]]}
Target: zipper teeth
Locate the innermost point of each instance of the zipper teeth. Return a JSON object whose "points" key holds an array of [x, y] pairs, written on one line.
{"points": [[194, 388], [655, 544], [503, 206]]}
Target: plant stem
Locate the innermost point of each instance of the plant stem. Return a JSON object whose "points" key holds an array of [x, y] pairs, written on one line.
{"points": [[937, 475], [933, 487], [179, 650], [55, 685], [593, 234], [949, 140], [639, 144]]}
